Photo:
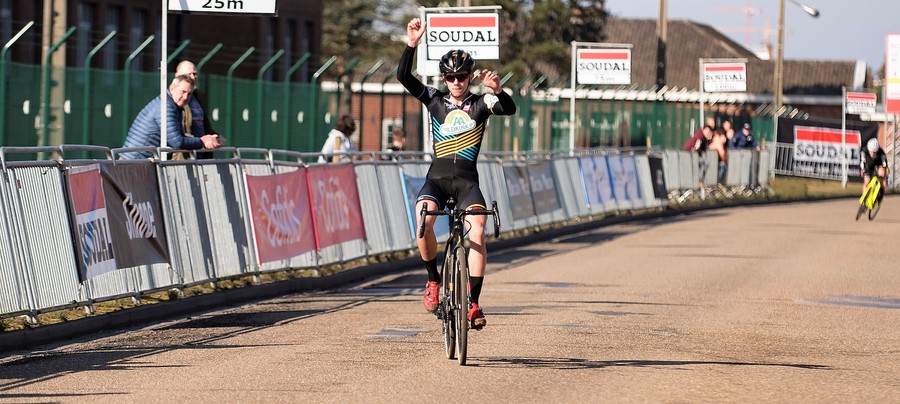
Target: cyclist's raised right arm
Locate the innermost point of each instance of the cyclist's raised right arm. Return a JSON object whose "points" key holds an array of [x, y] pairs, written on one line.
{"points": [[415, 29]]}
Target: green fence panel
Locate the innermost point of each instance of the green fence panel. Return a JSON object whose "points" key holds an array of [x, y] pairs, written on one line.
{"points": [[23, 105]]}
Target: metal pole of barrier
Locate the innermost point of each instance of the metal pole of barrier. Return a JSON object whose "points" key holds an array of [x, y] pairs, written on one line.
{"points": [[315, 99], [86, 102], [259, 97], [229, 90], [3, 79], [45, 104], [177, 51], [126, 87], [287, 99]]}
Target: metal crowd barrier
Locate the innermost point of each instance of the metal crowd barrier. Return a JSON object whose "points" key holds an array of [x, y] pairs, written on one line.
{"points": [[208, 224]]}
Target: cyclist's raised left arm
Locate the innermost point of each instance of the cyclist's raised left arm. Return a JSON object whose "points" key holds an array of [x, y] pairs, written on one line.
{"points": [[500, 103]]}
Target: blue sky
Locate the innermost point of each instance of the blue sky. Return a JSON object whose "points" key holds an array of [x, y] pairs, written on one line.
{"points": [[844, 30]]}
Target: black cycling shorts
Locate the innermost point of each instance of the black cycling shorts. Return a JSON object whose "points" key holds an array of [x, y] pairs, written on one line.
{"points": [[466, 192]]}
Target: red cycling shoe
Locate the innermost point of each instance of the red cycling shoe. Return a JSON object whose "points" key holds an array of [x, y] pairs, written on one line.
{"points": [[430, 300]]}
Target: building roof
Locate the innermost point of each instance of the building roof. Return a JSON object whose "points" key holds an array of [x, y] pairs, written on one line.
{"points": [[690, 41]]}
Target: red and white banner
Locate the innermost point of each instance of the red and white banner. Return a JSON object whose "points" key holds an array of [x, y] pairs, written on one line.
{"points": [[476, 33], [861, 103], [603, 66], [892, 74], [335, 198], [823, 145], [281, 215], [92, 239], [724, 77]]}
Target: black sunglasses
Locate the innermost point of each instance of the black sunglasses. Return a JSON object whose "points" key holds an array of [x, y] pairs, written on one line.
{"points": [[456, 77]]}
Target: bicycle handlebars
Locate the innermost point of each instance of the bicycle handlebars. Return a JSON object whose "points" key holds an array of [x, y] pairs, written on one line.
{"points": [[462, 213]]}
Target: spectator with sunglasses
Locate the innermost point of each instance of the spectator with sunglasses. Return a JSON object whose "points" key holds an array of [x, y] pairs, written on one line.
{"points": [[458, 119]]}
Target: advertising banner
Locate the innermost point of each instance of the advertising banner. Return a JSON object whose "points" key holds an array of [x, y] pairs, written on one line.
{"points": [[892, 74], [724, 77], [623, 171], [476, 33], [93, 240], [336, 204], [595, 174], [543, 187], [818, 147], [118, 217], [281, 216], [861, 103], [411, 187], [603, 66], [519, 191], [658, 177]]}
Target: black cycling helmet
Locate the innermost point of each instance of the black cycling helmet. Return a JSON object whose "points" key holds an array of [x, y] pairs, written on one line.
{"points": [[457, 61]]}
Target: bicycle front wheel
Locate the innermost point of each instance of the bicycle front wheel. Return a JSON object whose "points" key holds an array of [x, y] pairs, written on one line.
{"points": [[862, 204], [448, 327], [461, 303]]}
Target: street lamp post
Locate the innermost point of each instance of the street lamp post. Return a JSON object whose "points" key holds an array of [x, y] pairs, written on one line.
{"points": [[779, 61]]}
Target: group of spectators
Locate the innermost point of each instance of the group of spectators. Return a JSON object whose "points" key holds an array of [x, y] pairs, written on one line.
{"points": [[719, 139]]}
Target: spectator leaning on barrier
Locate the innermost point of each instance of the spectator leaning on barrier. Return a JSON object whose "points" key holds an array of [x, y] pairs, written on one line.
{"points": [[199, 124], [145, 130], [719, 143], [698, 144], [744, 139], [339, 140]]}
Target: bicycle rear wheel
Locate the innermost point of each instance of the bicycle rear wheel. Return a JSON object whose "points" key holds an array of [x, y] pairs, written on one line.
{"points": [[448, 328], [461, 303], [875, 208]]}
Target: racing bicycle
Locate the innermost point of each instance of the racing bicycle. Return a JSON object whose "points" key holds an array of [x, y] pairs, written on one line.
{"points": [[454, 303], [871, 199]]}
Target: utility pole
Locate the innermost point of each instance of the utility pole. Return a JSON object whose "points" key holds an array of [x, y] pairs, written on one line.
{"points": [[55, 16], [662, 34]]}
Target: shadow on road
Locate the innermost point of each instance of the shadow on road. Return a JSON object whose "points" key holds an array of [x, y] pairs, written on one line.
{"points": [[578, 363]]}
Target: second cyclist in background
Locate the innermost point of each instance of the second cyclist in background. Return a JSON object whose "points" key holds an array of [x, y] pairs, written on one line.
{"points": [[873, 162], [458, 120]]}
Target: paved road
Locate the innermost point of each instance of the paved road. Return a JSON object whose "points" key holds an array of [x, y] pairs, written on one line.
{"points": [[771, 303]]}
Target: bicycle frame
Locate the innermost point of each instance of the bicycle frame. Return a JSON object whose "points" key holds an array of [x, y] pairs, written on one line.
{"points": [[868, 198]]}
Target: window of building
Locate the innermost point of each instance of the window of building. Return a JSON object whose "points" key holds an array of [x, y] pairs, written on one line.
{"points": [[5, 21], [111, 50], [269, 43], [290, 31], [136, 36]]}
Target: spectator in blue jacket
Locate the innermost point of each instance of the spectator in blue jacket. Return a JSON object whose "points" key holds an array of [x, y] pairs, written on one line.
{"points": [[744, 139], [145, 131]]}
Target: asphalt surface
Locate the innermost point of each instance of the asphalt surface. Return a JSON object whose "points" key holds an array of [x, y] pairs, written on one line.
{"points": [[784, 303]]}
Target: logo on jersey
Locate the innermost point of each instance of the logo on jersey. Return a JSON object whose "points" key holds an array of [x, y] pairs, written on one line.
{"points": [[457, 122]]}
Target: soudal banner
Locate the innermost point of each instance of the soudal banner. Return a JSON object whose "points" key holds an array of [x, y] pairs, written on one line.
{"points": [[118, 217], [519, 191], [543, 187], [476, 33], [724, 77], [860, 103], [93, 240], [280, 215], [597, 185], [820, 148], [336, 206], [623, 171], [603, 66]]}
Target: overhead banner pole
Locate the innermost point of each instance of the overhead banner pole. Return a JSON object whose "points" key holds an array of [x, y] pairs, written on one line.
{"points": [[163, 77]]}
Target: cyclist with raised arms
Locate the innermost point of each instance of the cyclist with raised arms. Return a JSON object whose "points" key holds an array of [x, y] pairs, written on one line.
{"points": [[458, 120], [872, 162]]}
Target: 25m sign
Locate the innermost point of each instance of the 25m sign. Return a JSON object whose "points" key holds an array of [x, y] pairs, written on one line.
{"points": [[269, 7]]}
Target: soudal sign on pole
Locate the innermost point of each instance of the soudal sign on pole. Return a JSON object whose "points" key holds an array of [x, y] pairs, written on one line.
{"points": [[476, 33], [603, 66], [724, 77], [861, 103]]}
